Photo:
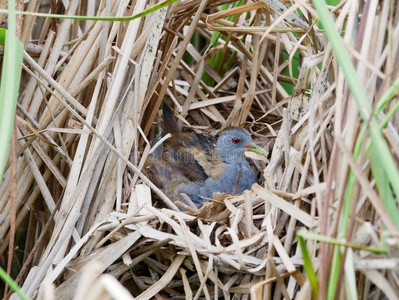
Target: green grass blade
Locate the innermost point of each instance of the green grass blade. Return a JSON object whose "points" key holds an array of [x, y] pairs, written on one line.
{"points": [[383, 186], [334, 274], [326, 239], [387, 96], [9, 86], [385, 100], [11, 283], [89, 18], [308, 264]]}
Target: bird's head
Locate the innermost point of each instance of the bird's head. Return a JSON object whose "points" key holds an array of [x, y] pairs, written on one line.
{"points": [[232, 144]]}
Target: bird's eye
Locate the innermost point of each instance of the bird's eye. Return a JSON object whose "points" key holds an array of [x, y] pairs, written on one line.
{"points": [[235, 140]]}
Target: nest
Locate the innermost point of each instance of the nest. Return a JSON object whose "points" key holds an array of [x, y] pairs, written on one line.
{"points": [[219, 250], [90, 225]]}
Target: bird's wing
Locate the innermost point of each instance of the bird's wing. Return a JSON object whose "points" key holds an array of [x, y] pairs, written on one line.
{"points": [[186, 158], [193, 155]]}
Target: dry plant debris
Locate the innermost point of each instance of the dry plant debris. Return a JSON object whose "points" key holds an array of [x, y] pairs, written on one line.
{"points": [[90, 95]]}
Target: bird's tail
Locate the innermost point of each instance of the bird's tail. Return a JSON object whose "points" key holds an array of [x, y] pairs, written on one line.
{"points": [[169, 123]]}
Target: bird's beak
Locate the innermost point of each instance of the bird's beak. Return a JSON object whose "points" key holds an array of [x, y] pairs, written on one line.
{"points": [[255, 148]]}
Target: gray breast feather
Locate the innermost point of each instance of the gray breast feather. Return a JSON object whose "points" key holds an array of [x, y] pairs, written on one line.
{"points": [[224, 184]]}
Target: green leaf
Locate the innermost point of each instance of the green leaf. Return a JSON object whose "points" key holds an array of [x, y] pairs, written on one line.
{"points": [[307, 263], [7, 279], [87, 18], [9, 85], [326, 239]]}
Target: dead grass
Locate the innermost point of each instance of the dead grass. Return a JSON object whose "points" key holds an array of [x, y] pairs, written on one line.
{"points": [[88, 107]]}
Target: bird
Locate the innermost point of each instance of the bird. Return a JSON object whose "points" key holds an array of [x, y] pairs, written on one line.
{"points": [[198, 164]]}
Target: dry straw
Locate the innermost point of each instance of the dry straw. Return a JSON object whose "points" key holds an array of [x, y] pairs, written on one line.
{"points": [[87, 222]]}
